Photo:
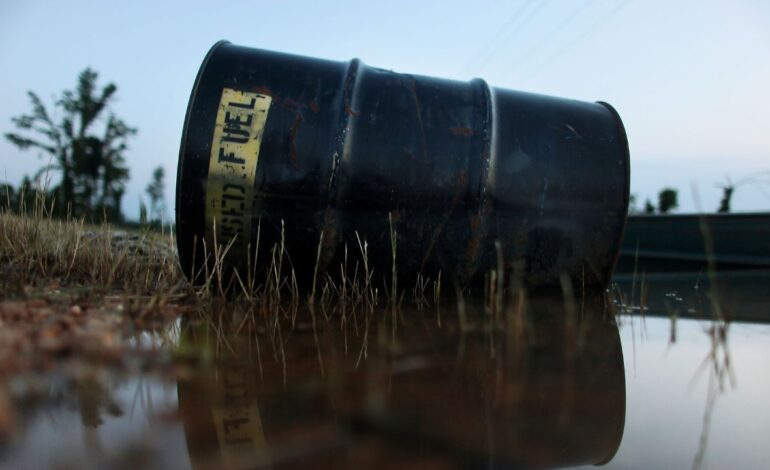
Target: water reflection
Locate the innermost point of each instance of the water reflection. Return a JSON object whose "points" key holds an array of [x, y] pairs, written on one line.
{"points": [[728, 295], [544, 387], [540, 383]]}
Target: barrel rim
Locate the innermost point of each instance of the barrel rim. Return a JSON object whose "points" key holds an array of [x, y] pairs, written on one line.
{"points": [[627, 185], [183, 257]]}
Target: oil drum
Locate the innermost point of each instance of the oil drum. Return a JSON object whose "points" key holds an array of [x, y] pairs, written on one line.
{"points": [[409, 175]]}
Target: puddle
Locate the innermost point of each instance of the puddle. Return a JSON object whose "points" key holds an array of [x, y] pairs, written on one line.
{"points": [[540, 384], [104, 421]]}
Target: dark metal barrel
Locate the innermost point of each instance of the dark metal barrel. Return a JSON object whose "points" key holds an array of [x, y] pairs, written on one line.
{"points": [[457, 178]]}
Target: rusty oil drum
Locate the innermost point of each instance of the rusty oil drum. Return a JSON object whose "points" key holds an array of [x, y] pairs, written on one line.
{"points": [[282, 148]]}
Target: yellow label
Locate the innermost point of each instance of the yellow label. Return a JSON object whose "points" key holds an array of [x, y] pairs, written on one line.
{"points": [[236, 417], [232, 169]]}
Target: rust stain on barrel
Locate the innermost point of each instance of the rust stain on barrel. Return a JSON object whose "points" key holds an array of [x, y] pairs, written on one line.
{"points": [[292, 138], [263, 90], [460, 188], [473, 244], [416, 99], [461, 131]]}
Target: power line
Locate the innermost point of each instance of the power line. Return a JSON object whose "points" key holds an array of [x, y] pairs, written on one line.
{"points": [[492, 47], [569, 45], [553, 33], [495, 38]]}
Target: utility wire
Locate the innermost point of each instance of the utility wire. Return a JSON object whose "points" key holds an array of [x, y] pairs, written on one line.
{"points": [[493, 46], [499, 34], [571, 44], [553, 33]]}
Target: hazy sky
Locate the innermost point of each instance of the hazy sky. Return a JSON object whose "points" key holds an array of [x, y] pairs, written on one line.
{"points": [[690, 78]]}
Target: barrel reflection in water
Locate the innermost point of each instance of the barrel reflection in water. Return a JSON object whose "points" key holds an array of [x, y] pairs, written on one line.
{"points": [[278, 149], [546, 388]]}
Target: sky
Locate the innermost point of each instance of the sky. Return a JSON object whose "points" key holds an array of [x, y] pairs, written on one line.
{"points": [[690, 78]]}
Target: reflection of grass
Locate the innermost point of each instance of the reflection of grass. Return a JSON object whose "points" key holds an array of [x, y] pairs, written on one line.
{"points": [[718, 362], [510, 328], [710, 307], [414, 384]]}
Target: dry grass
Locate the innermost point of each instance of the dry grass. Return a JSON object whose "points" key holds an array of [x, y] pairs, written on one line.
{"points": [[71, 263], [75, 291], [68, 288], [36, 251]]}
